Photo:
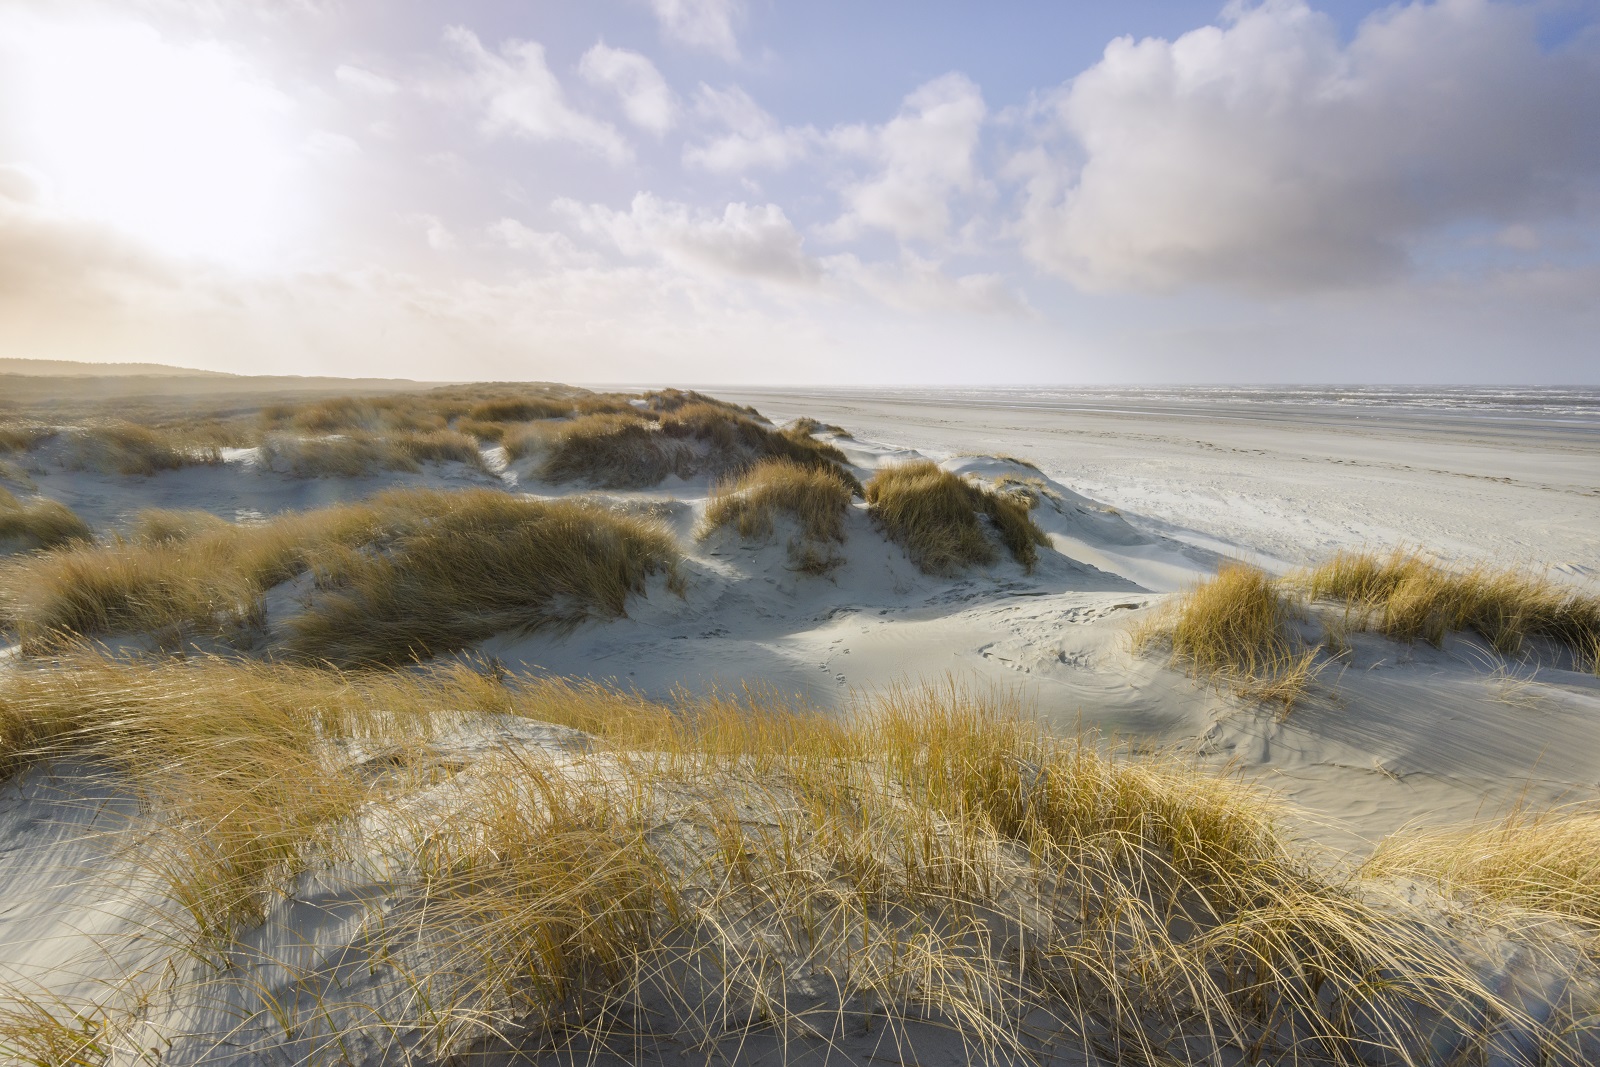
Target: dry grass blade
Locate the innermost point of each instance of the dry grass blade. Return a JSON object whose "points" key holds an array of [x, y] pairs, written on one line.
{"points": [[934, 514], [1548, 862], [33, 1034], [727, 869], [1235, 630]]}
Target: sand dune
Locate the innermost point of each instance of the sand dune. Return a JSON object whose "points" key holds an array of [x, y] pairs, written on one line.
{"points": [[1135, 504]]}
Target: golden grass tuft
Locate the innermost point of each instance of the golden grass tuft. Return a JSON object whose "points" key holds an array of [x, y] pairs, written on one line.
{"points": [[493, 432], [483, 563], [816, 499], [1236, 631], [934, 514], [732, 870], [1408, 597], [156, 526], [23, 438], [521, 409], [360, 454], [127, 448], [806, 426], [208, 584], [406, 573], [404, 413], [38, 523], [1548, 862], [635, 450], [615, 451]]}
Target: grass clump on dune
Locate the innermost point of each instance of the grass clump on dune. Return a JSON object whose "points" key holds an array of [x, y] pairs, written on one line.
{"points": [[1408, 597], [806, 426], [357, 455], [406, 573], [22, 438], [38, 523], [155, 526], [127, 448], [483, 563], [521, 409], [816, 500], [612, 450], [636, 450], [209, 583], [744, 871], [1548, 862], [934, 514], [1236, 630]]}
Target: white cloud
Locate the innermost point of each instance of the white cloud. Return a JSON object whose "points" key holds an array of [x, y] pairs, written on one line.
{"points": [[918, 284], [646, 99], [924, 156], [1267, 154], [325, 144], [707, 25], [435, 232], [754, 138], [521, 97], [550, 249], [745, 241], [758, 242], [366, 81]]}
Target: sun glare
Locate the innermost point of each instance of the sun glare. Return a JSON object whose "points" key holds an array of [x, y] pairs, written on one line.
{"points": [[174, 144]]}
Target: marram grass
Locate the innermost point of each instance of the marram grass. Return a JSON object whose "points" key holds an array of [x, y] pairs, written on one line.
{"points": [[738, 870], [815, 499], [935, 515], [26, 525], [1236, 630], [1407, 597], [483, 563], [632, 449], [405, 574]]}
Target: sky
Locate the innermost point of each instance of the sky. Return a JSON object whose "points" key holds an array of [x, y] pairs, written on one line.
{"points": [[774, 192]]}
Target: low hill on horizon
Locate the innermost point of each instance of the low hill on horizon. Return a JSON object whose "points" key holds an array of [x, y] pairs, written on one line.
{"points": [[71, 368]]}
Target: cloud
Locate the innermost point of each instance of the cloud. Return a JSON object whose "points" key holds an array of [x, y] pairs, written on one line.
{"points": [[754, 138], [707, 25], [745, 241], [918, 284], [759, 243], [366, 81], [924, 156], [325, 144], [439, 236], [646, 99], [1267, 154], [549, 249], [521, 97]]}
